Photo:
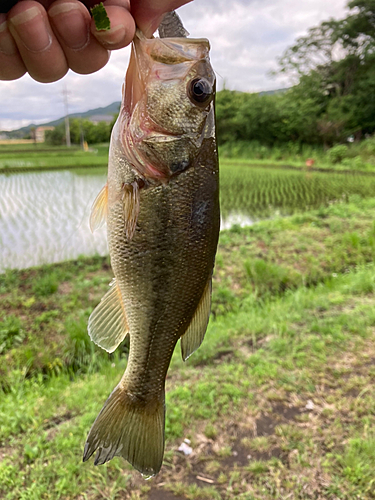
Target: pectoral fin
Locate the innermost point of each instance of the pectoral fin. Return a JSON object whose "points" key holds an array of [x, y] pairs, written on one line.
{"points": [[130, 202], [108, 325], [194, 335], [99, 209]]}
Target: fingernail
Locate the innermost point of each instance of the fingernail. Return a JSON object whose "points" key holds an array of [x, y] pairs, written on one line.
{"points": [[7, 44], [32, 30], [113, 36], [71, 25]]}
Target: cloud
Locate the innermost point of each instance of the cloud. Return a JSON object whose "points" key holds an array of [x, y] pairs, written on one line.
{"points": [[24, 101], [246, 38]]}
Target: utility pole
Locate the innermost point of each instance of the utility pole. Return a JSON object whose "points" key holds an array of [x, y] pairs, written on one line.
{"points": [[67, 127], [81, 133]]}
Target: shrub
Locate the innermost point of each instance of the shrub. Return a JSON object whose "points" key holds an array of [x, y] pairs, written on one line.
{"points": [[337, 153], [266, 276], [223, 301], [358, 163], [46, 285]]}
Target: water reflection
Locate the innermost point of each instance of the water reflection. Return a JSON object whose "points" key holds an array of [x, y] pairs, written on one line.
{"points": [[44, 218], [236, 219]]}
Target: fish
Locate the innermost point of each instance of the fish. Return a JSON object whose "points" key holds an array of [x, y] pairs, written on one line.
{"points": [[161, 206]]}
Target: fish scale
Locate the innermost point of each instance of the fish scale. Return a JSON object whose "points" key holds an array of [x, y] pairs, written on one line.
{"points": [[173, 275], [161, 203]]}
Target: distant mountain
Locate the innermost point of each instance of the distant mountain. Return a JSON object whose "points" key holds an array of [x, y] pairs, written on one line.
{"points": [[272, 92], [112, 109]]}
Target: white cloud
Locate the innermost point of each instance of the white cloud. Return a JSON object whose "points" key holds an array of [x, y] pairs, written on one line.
{"points": [[246, 38]]}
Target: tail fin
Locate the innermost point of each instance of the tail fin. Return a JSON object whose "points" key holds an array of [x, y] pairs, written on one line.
{"points": [[131, 429]]}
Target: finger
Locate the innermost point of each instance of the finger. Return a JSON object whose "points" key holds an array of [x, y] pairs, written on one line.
{"points": [[122, 29], [148, 14], [39, 48], [11, 65], [71, 24]]}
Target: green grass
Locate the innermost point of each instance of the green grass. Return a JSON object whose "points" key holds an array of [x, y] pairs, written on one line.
{"points": [[274, 256], [278, 401], [44, 158], [51, 305], [11, 333], [312, 344]]}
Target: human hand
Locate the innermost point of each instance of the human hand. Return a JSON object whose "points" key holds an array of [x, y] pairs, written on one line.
{"points": [[47, 37]]}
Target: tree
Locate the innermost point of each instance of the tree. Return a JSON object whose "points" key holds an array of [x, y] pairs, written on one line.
{"points": [[56, 136], [339, 56], [93, 133]]}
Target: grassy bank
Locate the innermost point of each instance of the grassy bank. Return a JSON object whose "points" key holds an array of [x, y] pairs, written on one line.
{"points": [[359, 156], [278, 402]]}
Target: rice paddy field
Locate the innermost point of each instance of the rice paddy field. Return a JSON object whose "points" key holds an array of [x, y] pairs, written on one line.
{"points": [[262, 191], [37, 157], [277, 403], [44, 213]]}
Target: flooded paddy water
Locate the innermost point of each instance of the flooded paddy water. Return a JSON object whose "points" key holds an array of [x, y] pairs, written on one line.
{"points": [[44, 215]]}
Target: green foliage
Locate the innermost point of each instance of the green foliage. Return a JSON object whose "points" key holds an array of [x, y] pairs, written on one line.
{"points": [[337, 153], [223, 301], [332, 99], [80, 129], [266, 277], [358, 462], [100, 17], [367, 146], [249, 117], [80, 351], [341, 87], [11, 333], [46, 285]]}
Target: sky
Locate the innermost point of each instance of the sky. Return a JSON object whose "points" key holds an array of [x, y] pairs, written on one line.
{"points": [[246, 40]]}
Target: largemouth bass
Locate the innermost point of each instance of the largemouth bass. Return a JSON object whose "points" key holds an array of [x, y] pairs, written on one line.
{"points": [[161, 203]]}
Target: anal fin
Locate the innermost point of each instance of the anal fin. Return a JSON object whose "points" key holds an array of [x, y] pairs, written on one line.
{"points": [[99, 209], [107, 324], [194, 335]]}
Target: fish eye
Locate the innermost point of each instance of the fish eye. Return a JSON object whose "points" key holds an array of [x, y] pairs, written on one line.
{"points": [[200, 91]]}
